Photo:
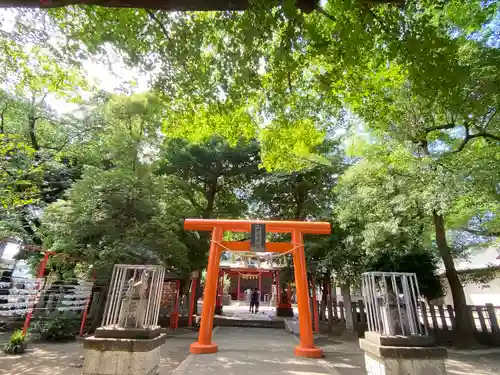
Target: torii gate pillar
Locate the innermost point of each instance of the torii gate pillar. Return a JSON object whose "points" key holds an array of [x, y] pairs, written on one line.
{"points": [[204, 345]]}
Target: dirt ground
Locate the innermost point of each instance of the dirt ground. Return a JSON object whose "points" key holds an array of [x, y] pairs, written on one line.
{"points": [[67, 358], [342, 357]]}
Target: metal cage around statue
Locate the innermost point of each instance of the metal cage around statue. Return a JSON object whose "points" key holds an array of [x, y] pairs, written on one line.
{"points": [[134, 298], [392, 303]]}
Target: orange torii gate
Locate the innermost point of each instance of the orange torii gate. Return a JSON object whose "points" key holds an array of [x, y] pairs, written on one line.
{"points": [[204, 345]]}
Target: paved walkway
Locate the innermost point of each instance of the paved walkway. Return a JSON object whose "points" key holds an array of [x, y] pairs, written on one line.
{"points": [[250, 351], [253, 351], [242, 351]]}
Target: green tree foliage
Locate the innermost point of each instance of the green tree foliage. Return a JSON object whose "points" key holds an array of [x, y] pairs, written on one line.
{"points": [[295, 69], [419, 261], [211, 176], [37, 135], [16, 161], [297, 195], [433, 100], [120, 211], [118, 217]]}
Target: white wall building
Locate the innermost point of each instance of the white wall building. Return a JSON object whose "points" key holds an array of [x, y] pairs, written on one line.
{"points": [[478, 294]]}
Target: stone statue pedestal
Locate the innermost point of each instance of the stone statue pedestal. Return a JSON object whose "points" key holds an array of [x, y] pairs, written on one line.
{"points": [[118, 351], [129, 339], [284, 309], [398, 355]]}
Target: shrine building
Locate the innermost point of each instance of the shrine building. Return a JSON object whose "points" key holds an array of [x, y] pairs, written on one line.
{"points": [[249, 272]]}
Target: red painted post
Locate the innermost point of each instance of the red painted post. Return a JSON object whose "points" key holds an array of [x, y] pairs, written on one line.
{"points": [[204, 345], [174, 316], [41, 273], [84, 318]]}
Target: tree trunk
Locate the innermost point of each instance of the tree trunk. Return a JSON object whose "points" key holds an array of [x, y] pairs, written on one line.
{"points": [[32, 134], [210, 195], [330, 307], [464, 328], [346, 296]]}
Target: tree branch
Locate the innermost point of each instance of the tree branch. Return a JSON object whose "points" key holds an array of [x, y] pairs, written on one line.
{"points": [[489, 120], [379, 21], [481, 232], [42, 100], [469, 137], [450, 125], [158, 23], [325, 13]]}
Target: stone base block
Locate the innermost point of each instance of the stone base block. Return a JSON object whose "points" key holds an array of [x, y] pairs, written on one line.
{"points": [[285, 311], [402, 355], [402, 366], [112, 356]]}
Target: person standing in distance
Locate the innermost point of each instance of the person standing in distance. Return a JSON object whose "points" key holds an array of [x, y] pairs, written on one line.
{"points": [[254, 304]]}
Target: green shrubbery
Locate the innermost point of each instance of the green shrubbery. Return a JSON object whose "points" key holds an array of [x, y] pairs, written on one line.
{"points": [[56, 327], [16, 344]]}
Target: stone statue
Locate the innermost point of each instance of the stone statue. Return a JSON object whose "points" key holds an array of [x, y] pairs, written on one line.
{"points": [[394, 314], [134, 303], [138, 289]]}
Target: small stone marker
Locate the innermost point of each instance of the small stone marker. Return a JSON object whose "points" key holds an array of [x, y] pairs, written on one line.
{"points": [[129, 340], [396, 343]]}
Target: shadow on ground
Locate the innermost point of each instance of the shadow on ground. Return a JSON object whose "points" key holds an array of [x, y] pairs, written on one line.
{"points": [[344, 357], [242, 351], [67, 358]]}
